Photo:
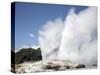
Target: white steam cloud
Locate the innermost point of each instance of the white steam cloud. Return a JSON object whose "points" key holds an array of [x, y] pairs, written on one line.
{"points": [[73, 39], [50, 37]]}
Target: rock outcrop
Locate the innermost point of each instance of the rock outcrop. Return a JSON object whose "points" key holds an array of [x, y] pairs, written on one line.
{"points": [[47, 66]]}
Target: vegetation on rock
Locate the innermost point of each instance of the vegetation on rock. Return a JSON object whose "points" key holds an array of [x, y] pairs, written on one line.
{"points": [[28, 54]]}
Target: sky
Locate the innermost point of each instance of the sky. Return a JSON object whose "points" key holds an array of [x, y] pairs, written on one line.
{"points": [[30, 17]]}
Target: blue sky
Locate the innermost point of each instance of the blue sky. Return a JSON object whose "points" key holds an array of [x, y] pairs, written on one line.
{"points": [[30, 17]]}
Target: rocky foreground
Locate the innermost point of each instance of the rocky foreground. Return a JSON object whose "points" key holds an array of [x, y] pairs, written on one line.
{"points": [[46, 66]]}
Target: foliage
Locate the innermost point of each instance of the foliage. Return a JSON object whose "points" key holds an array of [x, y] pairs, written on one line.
{"points": [[28, 54]]}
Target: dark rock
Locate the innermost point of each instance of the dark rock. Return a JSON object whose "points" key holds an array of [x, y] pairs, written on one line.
{"points": [[67, 67], [54, 67], [94, 64], [80, 66]]}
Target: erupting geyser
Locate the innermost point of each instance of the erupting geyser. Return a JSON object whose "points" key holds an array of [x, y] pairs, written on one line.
{"points": [[50, 37], [73, 39]]}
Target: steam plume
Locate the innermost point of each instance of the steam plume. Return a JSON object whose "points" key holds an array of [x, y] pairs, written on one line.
{"points": [[50, 37], [73, 39]]}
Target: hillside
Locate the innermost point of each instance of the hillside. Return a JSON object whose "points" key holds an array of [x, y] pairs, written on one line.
{"points": [[28, 54]]}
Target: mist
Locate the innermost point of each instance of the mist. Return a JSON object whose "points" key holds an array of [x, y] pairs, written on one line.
{"points": [[74, 38], [49, 39]]}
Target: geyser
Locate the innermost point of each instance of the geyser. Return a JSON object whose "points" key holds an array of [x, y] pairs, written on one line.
{"points": [[50, 37], [73, 39]]}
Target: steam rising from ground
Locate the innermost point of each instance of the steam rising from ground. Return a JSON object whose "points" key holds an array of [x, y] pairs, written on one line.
{"points": [[50, 37], [73, 39]]}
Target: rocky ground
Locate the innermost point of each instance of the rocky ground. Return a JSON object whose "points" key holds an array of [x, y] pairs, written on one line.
{"points": [[46, 66]]}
